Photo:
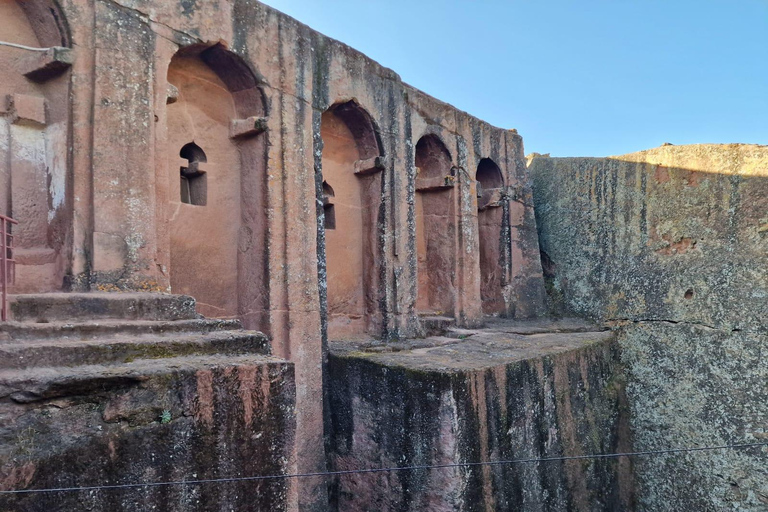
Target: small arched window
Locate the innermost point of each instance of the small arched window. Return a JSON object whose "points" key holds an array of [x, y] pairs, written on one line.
{"points": [[194, 182], [330, 213]]}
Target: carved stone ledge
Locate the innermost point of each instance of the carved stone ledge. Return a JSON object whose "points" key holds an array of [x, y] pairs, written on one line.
{"points": [[249, 127], [438, 183], [370, 165], [43, 66]]}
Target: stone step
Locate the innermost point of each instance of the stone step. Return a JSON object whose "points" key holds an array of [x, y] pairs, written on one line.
{"points": [[73, 307], [434, 325], [13, 332], [45, 383], [541, 325], [121, 350]]}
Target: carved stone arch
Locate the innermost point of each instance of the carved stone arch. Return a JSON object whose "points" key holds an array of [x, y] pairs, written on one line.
{"points": [[433, 163], [493, 235], [490, 184], [239, 77], [47, 21], [362, 127], [218, 243], [435, 214], [352, 161]]}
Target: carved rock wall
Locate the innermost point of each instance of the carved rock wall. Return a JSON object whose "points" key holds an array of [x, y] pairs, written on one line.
{"points": [[492, 396], [671, 244]]}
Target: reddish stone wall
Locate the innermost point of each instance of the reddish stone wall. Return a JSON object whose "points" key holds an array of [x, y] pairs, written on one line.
{"points": [[203, 236], [351, 175], [34, 114], [494, 232], [435, 206], [253, 96]]}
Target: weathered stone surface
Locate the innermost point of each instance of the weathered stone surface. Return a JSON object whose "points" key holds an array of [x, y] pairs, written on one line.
{"points": [[670, 243], [28, 109], [41, 67], [489, 396], [52, 307], [125, 348], [134, 389], [692, 386], [150, 421], [672, 233], [247, 127], [17, 331]]}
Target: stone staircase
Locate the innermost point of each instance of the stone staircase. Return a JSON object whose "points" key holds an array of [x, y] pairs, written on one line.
{"points": [[113, 329], [126, 383]]}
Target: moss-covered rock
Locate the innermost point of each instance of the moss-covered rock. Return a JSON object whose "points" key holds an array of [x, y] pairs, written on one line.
{"points": [[488, 397]]}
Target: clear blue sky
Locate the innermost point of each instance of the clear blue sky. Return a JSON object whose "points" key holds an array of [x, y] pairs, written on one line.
{"points": [[586, 78]]}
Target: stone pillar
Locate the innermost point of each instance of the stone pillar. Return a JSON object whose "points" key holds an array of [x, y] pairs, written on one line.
{"points": [[124, 243]]}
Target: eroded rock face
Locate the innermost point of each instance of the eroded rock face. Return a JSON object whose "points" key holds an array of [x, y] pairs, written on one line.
{"points": [[493, 395], [671, 244], [674, 233], [690, 386], [205, 417]]}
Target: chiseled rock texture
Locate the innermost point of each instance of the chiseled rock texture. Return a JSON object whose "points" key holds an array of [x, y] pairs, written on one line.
{"points": [[495, 394], [672, 245], [673, 233]]}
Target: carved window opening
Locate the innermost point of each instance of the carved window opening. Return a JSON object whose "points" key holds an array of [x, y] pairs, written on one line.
{"points": [[328, 208], [490, 184], [194, 180]]}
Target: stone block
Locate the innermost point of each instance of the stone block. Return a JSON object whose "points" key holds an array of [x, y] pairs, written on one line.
{"points": [[493, 395], [62, 307], [6, 104], [247, 127], [181, 418], [29, 109], [110, 252], [370, 165], [42, 66], [436, 183]]}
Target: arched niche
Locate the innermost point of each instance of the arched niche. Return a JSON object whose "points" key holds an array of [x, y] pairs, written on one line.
{"points": [[492, 234], [34, 135], [215, 148], [352, 161], [435, 227]]}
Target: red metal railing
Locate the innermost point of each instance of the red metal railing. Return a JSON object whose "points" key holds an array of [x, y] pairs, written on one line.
{"points": [[7, 261]]}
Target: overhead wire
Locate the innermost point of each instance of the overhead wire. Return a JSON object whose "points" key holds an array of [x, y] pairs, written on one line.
{"points": [[380, 470], [23, 47]]}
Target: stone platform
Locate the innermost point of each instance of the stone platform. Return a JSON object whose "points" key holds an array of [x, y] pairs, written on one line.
{"points": [[122, 388], [513, 390]]}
